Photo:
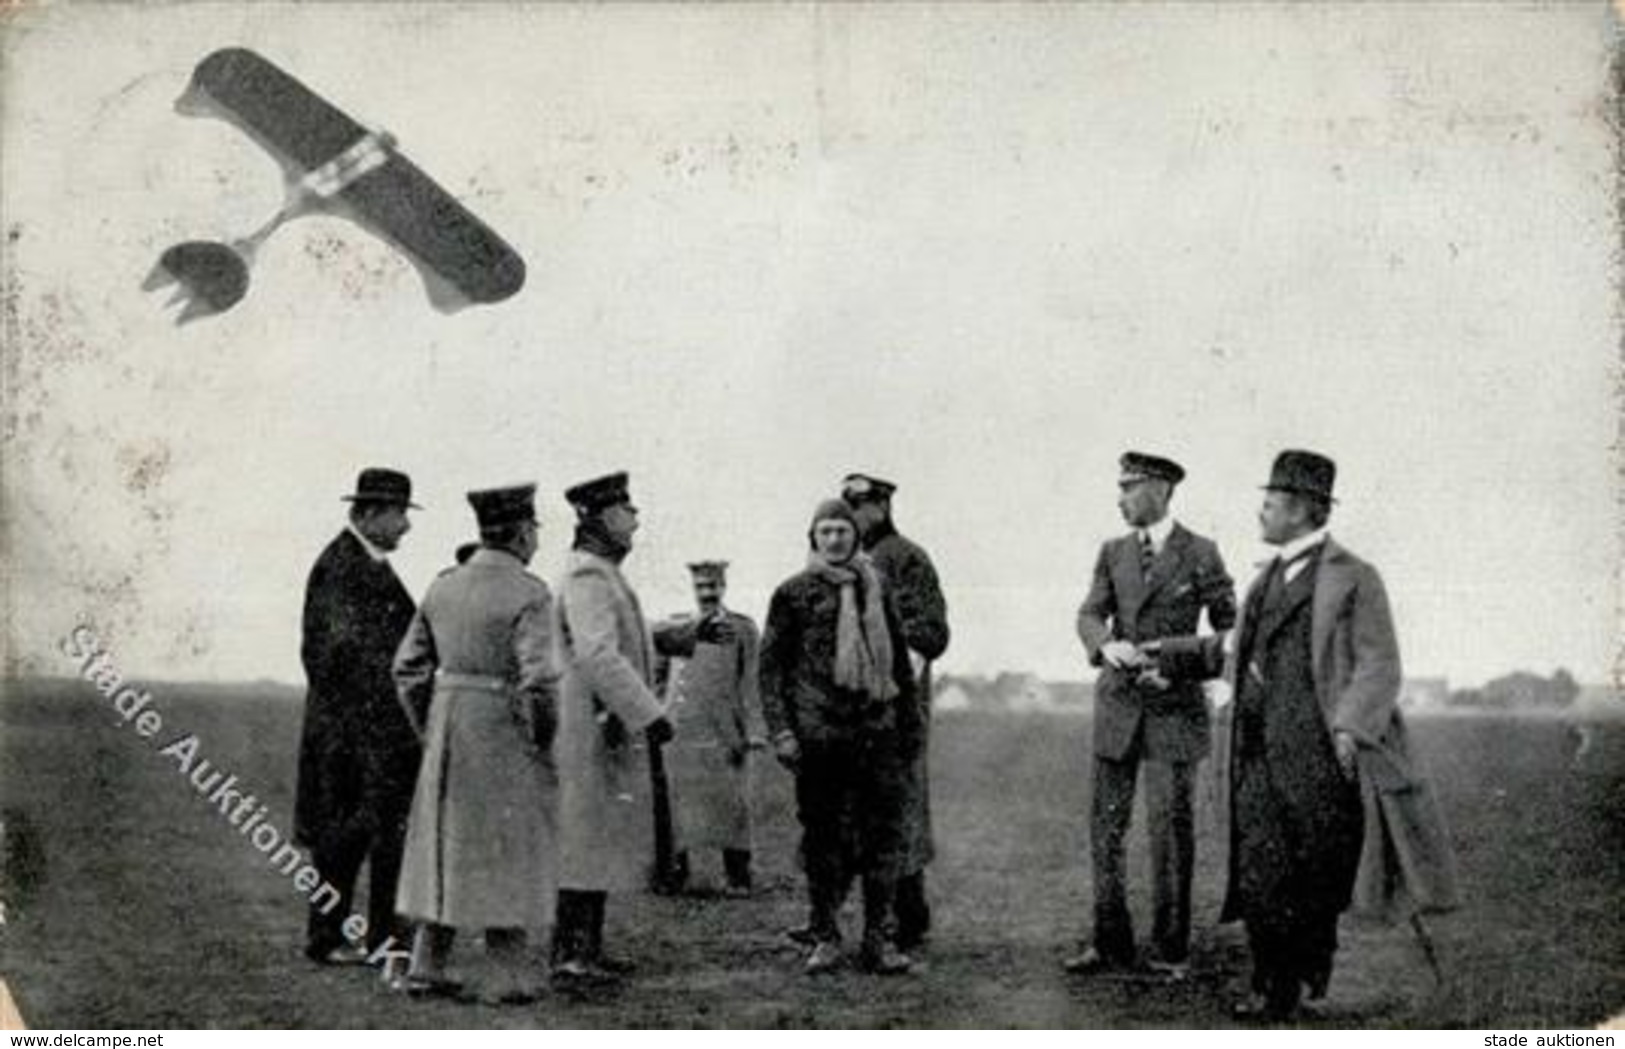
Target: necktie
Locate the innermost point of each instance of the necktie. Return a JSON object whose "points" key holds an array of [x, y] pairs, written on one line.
{"points": [[1148, 554]]}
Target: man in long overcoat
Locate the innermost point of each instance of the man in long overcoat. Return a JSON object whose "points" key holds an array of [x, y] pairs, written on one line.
{"points": [[1323, 803], [608, 717], [358, 755], [907, 571], [1154, 582], [478, 675], [711, 687]]}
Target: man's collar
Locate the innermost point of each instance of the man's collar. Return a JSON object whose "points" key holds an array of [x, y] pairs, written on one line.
{"points": [[1289, 552], [1158, 532], [367, 544]]}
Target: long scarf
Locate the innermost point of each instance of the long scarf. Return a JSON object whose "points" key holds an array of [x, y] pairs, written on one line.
{"points": [[863, 652]]}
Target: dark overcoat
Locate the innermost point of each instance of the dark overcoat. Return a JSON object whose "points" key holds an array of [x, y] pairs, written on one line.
{"points": [[1406, 860], [358, 754]]}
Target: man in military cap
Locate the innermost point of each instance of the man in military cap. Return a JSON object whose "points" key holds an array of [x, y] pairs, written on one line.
{"points": [[1155, 582], [358, 755], [911, 578], [607, 707], [477, 675], [717, 715], [1327, 805]]}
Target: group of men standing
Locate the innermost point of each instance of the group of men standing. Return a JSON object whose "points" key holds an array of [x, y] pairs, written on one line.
{"points": [[496, 747], [1323, 803], [489, 754]]}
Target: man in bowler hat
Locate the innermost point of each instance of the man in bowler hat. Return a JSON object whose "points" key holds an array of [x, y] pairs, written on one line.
{"points": [[1325, 804], [358, 755], [1154, 582]]}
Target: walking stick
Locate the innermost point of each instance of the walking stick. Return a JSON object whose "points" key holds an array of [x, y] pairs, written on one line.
{"points": [[1430, 950]]}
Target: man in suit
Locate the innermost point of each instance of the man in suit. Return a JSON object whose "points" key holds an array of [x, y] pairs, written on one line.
{"points": [[478, 676], [1154, 582], [909, 575], [717, 715], [1324, 803], [608, 716], [358, 754]]}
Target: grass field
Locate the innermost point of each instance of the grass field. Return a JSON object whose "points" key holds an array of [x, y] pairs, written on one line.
{"points": [[131, 903]]}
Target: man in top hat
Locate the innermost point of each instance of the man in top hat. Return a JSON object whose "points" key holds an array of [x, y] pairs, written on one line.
{"points": [[909, 575], [478, 676], [358, 755], [1324, 801], [711, 690], [607, 707], [1154, 582]]}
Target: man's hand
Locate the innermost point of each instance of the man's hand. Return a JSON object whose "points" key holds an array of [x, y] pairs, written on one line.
{"points": [[1150, 680], [1346, 750], [787, 750], [1121, 654], [715, 629]]}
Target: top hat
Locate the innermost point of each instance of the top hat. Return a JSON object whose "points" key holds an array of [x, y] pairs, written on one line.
{"points": [[1138, 466], [1306, 473], [378, 484], [589, 497], [861, 488], [503, 506]]}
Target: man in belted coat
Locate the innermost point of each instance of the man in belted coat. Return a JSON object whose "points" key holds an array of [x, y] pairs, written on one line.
{"points": [[908, 573], [711, 689], [608, 717], [1324, 804], [1154, 582], [358, 755], [478, 675]]}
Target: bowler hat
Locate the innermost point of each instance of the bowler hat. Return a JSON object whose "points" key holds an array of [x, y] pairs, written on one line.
{"points": [[1306, 473], [379, 484]]}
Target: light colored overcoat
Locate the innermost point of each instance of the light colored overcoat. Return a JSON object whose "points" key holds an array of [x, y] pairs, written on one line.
{"points": [[605, 703]]}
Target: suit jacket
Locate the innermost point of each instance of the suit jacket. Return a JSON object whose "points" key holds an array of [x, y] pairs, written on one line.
{"points": [[357, 751], [1358, 676], [1187, 576]]}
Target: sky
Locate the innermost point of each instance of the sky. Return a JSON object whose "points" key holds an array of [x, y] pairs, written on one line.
{"points": [[978, 250]]}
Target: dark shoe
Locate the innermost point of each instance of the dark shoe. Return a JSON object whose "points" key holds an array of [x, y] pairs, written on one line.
{"points": [[1091, 961], [614, 966], [801, 935], [576, 974], [1258, 1008], [343, 954], [885, 960], [825, 957]]}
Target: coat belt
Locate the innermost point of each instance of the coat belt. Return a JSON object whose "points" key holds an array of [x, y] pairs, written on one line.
{"points": [[482, 682]]}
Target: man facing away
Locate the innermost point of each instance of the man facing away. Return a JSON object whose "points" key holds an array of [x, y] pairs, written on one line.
{"points": [[478, 676], [358, 755], [717, 716], [1154, 582], [907, 572], [1325, 803]]}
